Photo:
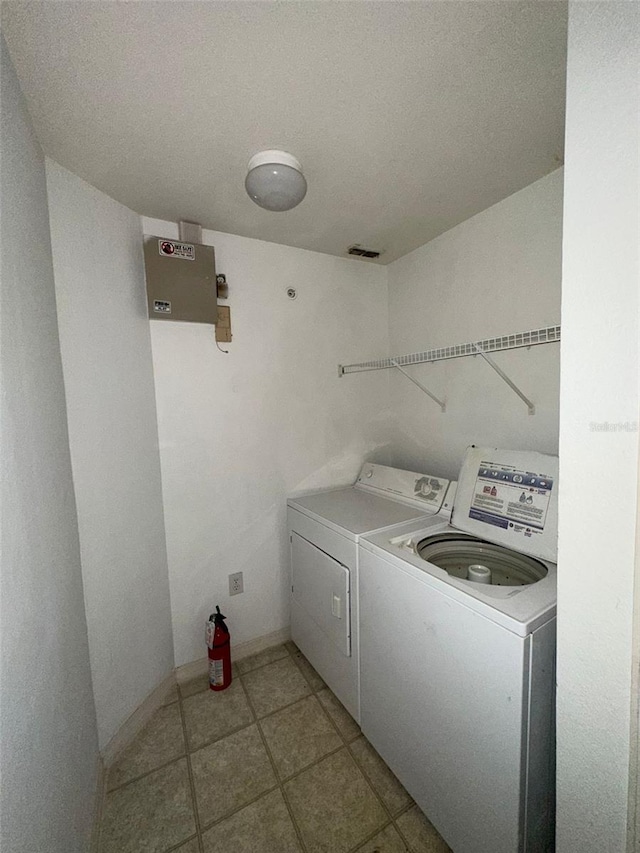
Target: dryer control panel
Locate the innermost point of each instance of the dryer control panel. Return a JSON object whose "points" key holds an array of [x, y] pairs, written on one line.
{"points": [[424, 490]]}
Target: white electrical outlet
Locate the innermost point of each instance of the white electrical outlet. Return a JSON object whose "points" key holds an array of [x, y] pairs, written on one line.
{"points": [[236, 584]]}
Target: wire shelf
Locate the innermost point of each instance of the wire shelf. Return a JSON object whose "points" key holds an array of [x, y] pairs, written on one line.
{"points": [[547, 335]]}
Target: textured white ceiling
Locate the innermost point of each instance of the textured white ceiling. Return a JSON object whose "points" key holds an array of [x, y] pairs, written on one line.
{"points": [[407, 117]]}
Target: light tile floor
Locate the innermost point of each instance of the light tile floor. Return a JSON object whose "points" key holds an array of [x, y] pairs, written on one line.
{"points": [[273, 764]]}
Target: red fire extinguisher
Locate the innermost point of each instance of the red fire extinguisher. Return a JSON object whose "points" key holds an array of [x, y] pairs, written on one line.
{"points": [[219, 643]]}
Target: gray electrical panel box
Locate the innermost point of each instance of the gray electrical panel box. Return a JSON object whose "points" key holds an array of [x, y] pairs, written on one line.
{"points": [[181, 281]]}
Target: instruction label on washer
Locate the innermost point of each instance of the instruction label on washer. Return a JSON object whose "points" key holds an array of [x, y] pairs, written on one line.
{"points": [[508, 498]]}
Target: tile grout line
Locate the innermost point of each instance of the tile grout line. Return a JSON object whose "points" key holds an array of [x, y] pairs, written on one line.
{"points": [[293, 658], [347, 743], [392, 818], [403, 837], [218, 739], [376, 795], [404, 809], [147, 773], [192, 785], [332, 722], [207, 826], [103, 809], [296, 828], [309, 766], [314, 692], [181, 844], [280, 784], [369, 838], [261, 665], [263, 717], [399, 830], [368, 778]]}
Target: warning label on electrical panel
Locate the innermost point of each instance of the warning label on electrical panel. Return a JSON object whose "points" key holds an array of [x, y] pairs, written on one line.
{"points": [[169, 249], [506, 497]]}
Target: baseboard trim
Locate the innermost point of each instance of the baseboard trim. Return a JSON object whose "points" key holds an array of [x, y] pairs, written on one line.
{"points": [[98, 808], [243, 650], [137, 721]]}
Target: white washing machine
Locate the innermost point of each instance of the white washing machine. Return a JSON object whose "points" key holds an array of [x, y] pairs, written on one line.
{"points": [[324, 530], [457, 651]]}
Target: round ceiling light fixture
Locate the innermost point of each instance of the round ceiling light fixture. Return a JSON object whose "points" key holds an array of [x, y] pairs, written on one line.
{"points": [[275, 180]]}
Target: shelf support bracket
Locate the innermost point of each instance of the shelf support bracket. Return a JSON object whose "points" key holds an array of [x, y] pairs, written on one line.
{"points": [[420, 386], [505, 378]]}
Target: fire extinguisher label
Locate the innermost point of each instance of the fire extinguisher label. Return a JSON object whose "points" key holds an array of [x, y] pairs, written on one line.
{"points": [[216, 676]]}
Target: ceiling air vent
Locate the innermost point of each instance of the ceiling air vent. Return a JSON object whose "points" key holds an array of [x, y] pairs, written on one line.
{"points": [[357, 250]]}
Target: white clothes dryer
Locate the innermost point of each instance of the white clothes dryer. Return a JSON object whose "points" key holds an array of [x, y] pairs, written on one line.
{"points": [[457, 649], [324, 530]]}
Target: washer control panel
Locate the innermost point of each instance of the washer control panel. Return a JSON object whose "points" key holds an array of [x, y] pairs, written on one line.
{"points": [[410, 486]]}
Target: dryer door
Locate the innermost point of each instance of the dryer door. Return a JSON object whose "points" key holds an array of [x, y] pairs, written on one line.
{"points": [[320, 585]]}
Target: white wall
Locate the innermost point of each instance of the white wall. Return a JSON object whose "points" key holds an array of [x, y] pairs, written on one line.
{"points": [[108, 372], [48, 743], [239, 432], [494, 274], [598, 467]]}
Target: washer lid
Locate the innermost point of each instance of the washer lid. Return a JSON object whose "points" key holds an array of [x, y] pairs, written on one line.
{"points": [[510, 497]]}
